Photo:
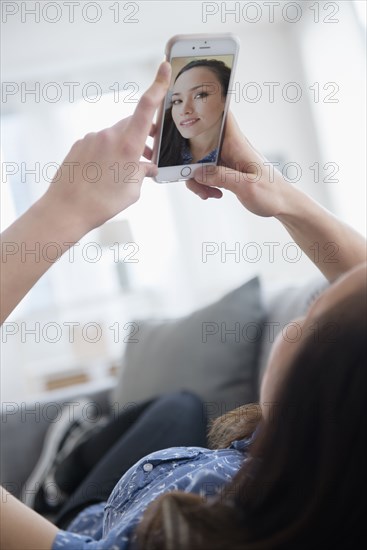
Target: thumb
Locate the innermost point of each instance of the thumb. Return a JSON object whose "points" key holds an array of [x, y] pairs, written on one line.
{"points": [[221, 176], [149, 169]]}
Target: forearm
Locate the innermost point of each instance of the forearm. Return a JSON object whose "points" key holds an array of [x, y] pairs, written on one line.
{"points": [[74, 203], [332, 245], [31, 245], [22, 528]]}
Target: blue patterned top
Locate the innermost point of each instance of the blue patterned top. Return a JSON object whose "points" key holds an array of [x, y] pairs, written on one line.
{"points": [[187, 157], [110, 525]]}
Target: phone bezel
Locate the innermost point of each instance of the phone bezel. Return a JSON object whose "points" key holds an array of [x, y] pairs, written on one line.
{"points": [[183, 46]]}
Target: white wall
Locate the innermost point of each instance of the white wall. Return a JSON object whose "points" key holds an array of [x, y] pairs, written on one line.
{"points": [[333, 54]]}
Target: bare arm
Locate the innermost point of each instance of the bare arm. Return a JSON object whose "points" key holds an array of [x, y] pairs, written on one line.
{"points": [[22, 528], [68, 210], [331, 244], [31, 245], [71, 207]]}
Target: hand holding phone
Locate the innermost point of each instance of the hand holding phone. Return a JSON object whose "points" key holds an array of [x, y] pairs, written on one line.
{"points": [[191, 118], [245, 172]]}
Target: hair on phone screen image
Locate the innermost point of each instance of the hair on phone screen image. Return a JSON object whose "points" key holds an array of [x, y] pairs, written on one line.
{"points": [[194, 110]]}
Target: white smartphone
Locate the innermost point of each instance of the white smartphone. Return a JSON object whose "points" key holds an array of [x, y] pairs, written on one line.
{"points": [[191, 118]]}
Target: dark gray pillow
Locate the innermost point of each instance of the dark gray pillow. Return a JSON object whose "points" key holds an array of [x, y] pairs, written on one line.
{"points": [[212, 352]]}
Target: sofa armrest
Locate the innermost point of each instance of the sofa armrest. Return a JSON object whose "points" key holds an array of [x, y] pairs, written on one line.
{"points": [[22, 431]]}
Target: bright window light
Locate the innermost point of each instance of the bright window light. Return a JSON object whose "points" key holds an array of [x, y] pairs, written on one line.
{"points": [[361, 10]]}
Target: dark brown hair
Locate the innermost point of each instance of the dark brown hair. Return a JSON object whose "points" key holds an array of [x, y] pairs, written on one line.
{"points": [[305, 482]]}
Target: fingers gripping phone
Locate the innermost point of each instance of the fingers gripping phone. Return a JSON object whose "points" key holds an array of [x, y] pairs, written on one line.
{"points": [[191, 118]]}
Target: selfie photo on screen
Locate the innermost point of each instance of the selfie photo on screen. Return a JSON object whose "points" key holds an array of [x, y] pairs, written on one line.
{"points": [[194, 110]]}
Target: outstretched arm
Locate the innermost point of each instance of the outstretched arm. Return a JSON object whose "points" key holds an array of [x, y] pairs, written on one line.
{"points": [[331, 244], [72, 206]]}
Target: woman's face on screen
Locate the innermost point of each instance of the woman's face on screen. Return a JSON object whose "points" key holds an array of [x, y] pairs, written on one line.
{"points": [[197, 102]]}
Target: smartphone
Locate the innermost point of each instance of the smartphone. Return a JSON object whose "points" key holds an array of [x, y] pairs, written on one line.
{"points": [[191, 118]]}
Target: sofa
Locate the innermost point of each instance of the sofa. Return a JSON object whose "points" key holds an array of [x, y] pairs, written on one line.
{"points": [[205, 352]]}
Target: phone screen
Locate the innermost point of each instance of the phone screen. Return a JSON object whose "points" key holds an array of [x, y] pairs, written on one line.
{"points": [[194, 109]]}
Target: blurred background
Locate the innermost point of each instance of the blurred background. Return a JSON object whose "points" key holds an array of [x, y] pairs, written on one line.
{"points": [[69, 68]]}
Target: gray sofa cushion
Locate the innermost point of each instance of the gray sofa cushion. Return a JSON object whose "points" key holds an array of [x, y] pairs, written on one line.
{"points": [[199, 353]]}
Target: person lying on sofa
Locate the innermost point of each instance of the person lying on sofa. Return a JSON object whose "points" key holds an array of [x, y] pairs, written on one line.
{"points": [[282, 479]]}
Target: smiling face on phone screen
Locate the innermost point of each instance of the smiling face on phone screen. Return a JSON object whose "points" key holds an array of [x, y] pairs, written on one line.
{"points": [[197, 103]]}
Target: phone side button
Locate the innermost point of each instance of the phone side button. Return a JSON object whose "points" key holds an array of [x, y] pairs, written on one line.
{"points": [[186, 171]]}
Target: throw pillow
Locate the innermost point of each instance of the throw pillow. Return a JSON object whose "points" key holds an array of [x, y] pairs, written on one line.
{"points": [[212, 352]]}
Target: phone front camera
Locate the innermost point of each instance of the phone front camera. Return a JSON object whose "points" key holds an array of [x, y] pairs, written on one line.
{"points": [[193, 47]]}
